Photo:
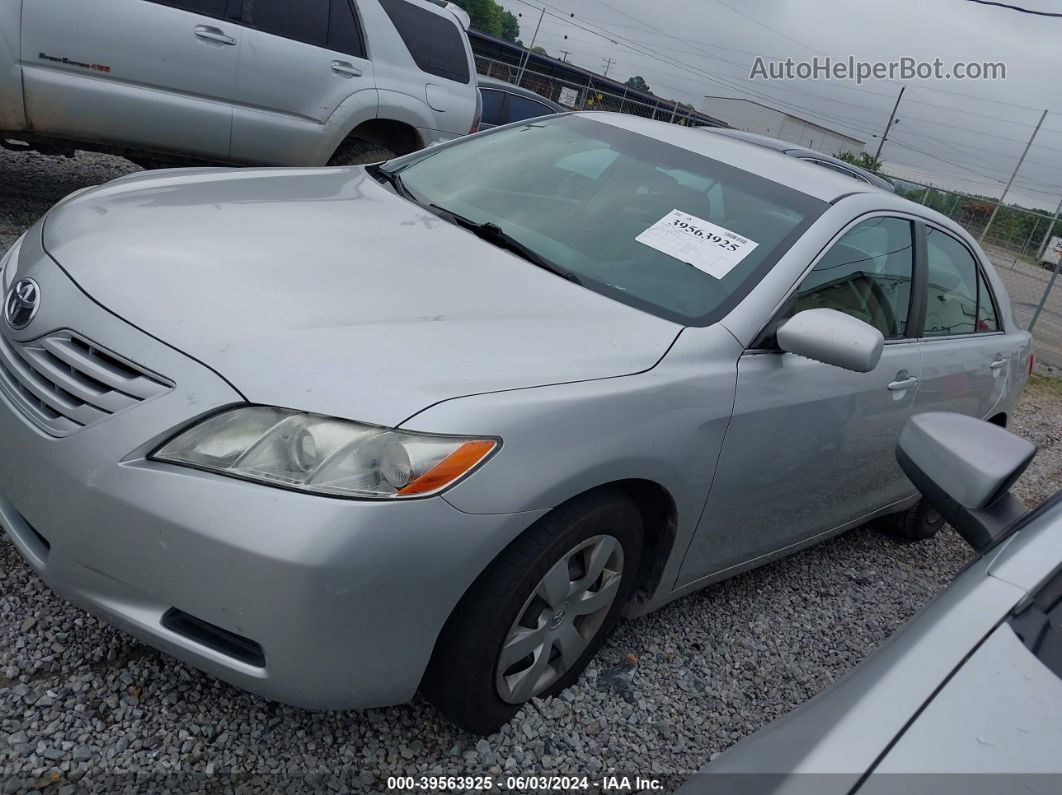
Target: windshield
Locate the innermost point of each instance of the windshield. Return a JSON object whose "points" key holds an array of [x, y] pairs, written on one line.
{"points": [[599, 202]]}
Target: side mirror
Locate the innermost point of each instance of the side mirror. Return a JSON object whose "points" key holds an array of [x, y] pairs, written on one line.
{"points": [[832, 337], [965, 468]]}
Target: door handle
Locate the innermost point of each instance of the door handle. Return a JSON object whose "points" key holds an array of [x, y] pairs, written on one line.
{"points": [[998, 364], [207, 33], [899, 386], [345, 69]]}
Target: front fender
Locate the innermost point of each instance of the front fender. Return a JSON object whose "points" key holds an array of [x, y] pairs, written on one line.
{"points": [[664, 425]]}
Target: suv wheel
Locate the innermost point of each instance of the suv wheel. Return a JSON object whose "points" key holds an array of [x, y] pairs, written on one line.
{"points": [[359, 153], [919, 523], [536, 617]]}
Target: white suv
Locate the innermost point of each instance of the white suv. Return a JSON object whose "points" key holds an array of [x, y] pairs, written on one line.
{"points": [[274, 82]]}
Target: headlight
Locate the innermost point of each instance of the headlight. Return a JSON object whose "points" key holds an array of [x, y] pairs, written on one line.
{"points": [[319, 454]]}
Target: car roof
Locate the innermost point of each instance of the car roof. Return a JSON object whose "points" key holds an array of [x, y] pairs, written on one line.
{"points": [[755, 138], [775, 165], [793, 150], [512, 88]]}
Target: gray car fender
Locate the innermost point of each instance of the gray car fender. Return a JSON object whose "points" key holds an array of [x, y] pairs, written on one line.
{"points": [[664, 425]]}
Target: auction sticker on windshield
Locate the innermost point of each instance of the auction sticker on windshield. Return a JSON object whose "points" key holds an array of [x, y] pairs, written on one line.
{"points": [[704, 245]]}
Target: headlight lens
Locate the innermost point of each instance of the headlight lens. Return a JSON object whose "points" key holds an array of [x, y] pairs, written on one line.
{"points": [[319, 454]]}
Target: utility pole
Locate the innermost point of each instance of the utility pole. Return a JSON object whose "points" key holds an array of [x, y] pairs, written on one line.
{"points": [[527, 55], [1010, 182], [885, 134], [608, 65], [564, 55]]}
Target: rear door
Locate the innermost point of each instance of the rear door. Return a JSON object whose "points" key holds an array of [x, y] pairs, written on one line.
{"points": [[965, 353], [811, 447], [303, 59], [152, 74]]}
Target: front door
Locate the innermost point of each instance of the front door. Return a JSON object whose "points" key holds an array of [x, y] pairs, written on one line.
{"points": [[811, 447], [148, 74]]}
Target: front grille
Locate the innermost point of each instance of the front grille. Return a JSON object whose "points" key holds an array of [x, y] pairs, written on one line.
{"points": [[64, 383]]}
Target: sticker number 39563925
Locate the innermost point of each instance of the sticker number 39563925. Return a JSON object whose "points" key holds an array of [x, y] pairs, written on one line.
{"points": [[704, 245]]}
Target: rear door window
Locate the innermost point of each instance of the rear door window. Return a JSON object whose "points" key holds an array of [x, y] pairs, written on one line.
{"points": [[344, 32], [493, 101], [959, 300], [521, 108], [435, 42], [208, 8], [300, 20], [986, 312]]}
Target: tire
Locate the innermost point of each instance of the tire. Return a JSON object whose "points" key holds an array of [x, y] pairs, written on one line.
{"points": [[466, 681], [919, 523], [359, 153]]}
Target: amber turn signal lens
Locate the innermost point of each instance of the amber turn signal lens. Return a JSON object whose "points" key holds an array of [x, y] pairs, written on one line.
{"points": [[450, 468]]}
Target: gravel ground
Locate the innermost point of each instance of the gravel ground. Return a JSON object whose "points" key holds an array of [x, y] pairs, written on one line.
{"points": [[83, 706]]}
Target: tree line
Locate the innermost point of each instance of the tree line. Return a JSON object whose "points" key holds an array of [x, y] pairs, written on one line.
{"points": [[492, 19]]}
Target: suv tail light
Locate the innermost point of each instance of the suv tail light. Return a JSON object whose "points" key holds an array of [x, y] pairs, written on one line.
{"points": [[479, 113], [1032, 361]]}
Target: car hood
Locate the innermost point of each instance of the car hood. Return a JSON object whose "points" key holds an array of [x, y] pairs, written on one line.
{"points": [[320, 289]]}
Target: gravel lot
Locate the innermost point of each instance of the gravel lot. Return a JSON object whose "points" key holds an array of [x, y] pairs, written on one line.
{"points": [[82, 705]]}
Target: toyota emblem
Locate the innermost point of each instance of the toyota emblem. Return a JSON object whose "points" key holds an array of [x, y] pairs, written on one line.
{"points": [[21, 303]]}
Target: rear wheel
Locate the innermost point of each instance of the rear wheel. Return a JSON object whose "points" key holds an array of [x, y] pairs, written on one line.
{"points": [[536, 617], [919, 523], [359, 153]]}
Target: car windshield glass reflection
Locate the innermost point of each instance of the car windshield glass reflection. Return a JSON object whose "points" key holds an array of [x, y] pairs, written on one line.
{"points": [[578, 192]]}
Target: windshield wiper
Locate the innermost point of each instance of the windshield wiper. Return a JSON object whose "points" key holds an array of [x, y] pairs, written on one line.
{"points": [[492, 233], [392, 178]]}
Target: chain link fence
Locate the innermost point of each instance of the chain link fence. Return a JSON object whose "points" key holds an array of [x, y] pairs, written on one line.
{"points": [[588, 95], [1015, 242]]}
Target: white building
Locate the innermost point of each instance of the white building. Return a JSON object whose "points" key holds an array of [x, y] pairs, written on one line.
{"points": [[744, 114]]}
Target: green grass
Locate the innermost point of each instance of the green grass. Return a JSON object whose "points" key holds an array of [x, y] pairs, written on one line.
{"points": [[1045, 383]]}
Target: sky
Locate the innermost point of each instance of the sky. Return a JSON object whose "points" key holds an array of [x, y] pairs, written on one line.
{"points": [[964, 135]]}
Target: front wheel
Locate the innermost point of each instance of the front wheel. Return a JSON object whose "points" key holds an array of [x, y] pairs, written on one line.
{"points": [[359, 153], [919, 523], [534, 620]]}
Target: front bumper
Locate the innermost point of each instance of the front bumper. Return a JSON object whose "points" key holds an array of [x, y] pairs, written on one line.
{"points": [[344, 599]]}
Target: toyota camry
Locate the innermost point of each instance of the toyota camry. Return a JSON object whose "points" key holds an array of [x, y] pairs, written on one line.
{"points": [[335, 435]]}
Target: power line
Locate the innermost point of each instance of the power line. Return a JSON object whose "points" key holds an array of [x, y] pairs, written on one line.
{"points": [[745, 68], [644, 50], [938, 106], [767, 27], [696, 72], [699, 52], [1016, 8]]}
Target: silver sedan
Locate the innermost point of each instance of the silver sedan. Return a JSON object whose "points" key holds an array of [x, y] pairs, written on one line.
{"points": [[334, 435]]}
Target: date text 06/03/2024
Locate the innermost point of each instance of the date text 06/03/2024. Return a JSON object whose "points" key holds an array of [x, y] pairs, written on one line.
{"points": [[514, 783]]}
